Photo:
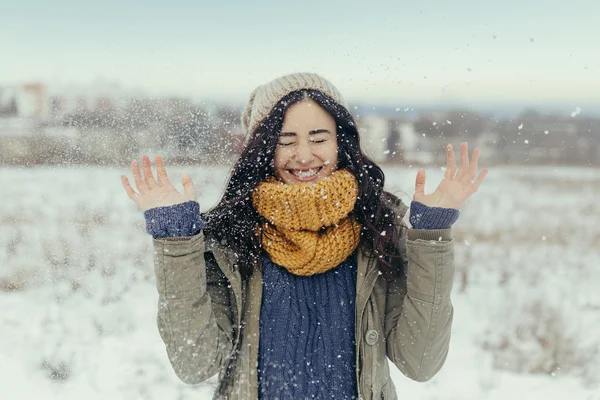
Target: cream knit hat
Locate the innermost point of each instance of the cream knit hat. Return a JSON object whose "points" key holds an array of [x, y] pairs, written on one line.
{"points": [[265, 97]]}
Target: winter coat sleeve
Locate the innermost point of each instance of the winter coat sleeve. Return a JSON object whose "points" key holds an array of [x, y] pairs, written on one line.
{"points": [[195, 319], [425, 217], [178, 221], [419, 313]]}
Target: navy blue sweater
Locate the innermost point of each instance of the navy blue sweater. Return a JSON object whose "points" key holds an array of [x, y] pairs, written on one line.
{"points": [[306, 343]]}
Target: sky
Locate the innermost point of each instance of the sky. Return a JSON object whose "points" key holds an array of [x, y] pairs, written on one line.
{"points": [[388, 51]]}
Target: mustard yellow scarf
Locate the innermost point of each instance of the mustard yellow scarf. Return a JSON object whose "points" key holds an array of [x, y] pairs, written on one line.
{"points": [[309, 230]]}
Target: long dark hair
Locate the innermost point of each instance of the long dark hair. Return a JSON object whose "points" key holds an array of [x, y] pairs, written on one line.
{"points": [[233, 221]]}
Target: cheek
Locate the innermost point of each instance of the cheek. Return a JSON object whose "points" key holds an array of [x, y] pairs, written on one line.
{"points": [[330, 154], [281, 158]]}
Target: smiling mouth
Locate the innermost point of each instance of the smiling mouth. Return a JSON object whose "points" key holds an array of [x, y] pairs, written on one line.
{"points": [[305, 173]]}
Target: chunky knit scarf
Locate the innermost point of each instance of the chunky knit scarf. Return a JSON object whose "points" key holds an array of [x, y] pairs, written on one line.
{"points": [[308, 228]]}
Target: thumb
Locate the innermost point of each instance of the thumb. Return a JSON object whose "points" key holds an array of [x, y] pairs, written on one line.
{"points": [[188, 187], [420, 182]]}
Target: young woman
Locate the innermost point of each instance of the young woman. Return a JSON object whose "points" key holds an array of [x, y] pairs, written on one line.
{"points": [[303, 280]]}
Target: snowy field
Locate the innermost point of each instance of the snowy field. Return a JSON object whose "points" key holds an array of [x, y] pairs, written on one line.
{"points": [[78, 302]]}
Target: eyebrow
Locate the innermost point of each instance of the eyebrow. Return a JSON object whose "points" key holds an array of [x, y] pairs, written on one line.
{"points": [[313, 132]]}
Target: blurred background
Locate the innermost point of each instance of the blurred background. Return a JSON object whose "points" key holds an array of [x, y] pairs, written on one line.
{"points": [[85, 88]]}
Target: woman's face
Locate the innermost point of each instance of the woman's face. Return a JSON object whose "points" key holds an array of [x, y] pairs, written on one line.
{"points": [[307, 145]]}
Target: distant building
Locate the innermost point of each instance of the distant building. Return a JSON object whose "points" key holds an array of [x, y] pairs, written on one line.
{"points": [[415, 149], [24, 101], [374, 132]]}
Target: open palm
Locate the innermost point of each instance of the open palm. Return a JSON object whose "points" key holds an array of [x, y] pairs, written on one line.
{"points": [[158, 192], [457, 186]]}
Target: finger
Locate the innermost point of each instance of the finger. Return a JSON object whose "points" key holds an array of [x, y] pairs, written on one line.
{"points": [[464, 161], [130, 192], [475, 161], [161, 172], [188, 187], [148, 176], [420, 182], [450, 163], [137, 177], [472, 171], [474, 164], [475, 186]]}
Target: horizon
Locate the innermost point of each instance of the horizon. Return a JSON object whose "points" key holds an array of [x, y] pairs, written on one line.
{"points": [[467, 53]]}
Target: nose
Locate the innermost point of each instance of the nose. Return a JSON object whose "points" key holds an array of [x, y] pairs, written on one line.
{"points": [[304, 154]]}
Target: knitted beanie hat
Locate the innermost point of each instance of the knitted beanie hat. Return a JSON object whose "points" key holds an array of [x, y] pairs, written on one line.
{"points": [[265, 97]]}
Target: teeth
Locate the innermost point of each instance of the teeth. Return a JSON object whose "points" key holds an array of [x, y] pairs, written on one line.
{"points": [[306, 174]]}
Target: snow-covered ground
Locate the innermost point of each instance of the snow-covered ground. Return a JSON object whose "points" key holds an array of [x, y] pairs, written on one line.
{"points": [[78, 302]]}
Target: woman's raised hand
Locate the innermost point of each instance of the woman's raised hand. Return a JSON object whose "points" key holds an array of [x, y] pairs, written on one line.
{"points": [[457, 186], [150, 193]]}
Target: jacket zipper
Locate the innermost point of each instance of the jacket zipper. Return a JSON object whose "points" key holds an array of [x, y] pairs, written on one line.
{"points": [[235, 350], [359, 336]]}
